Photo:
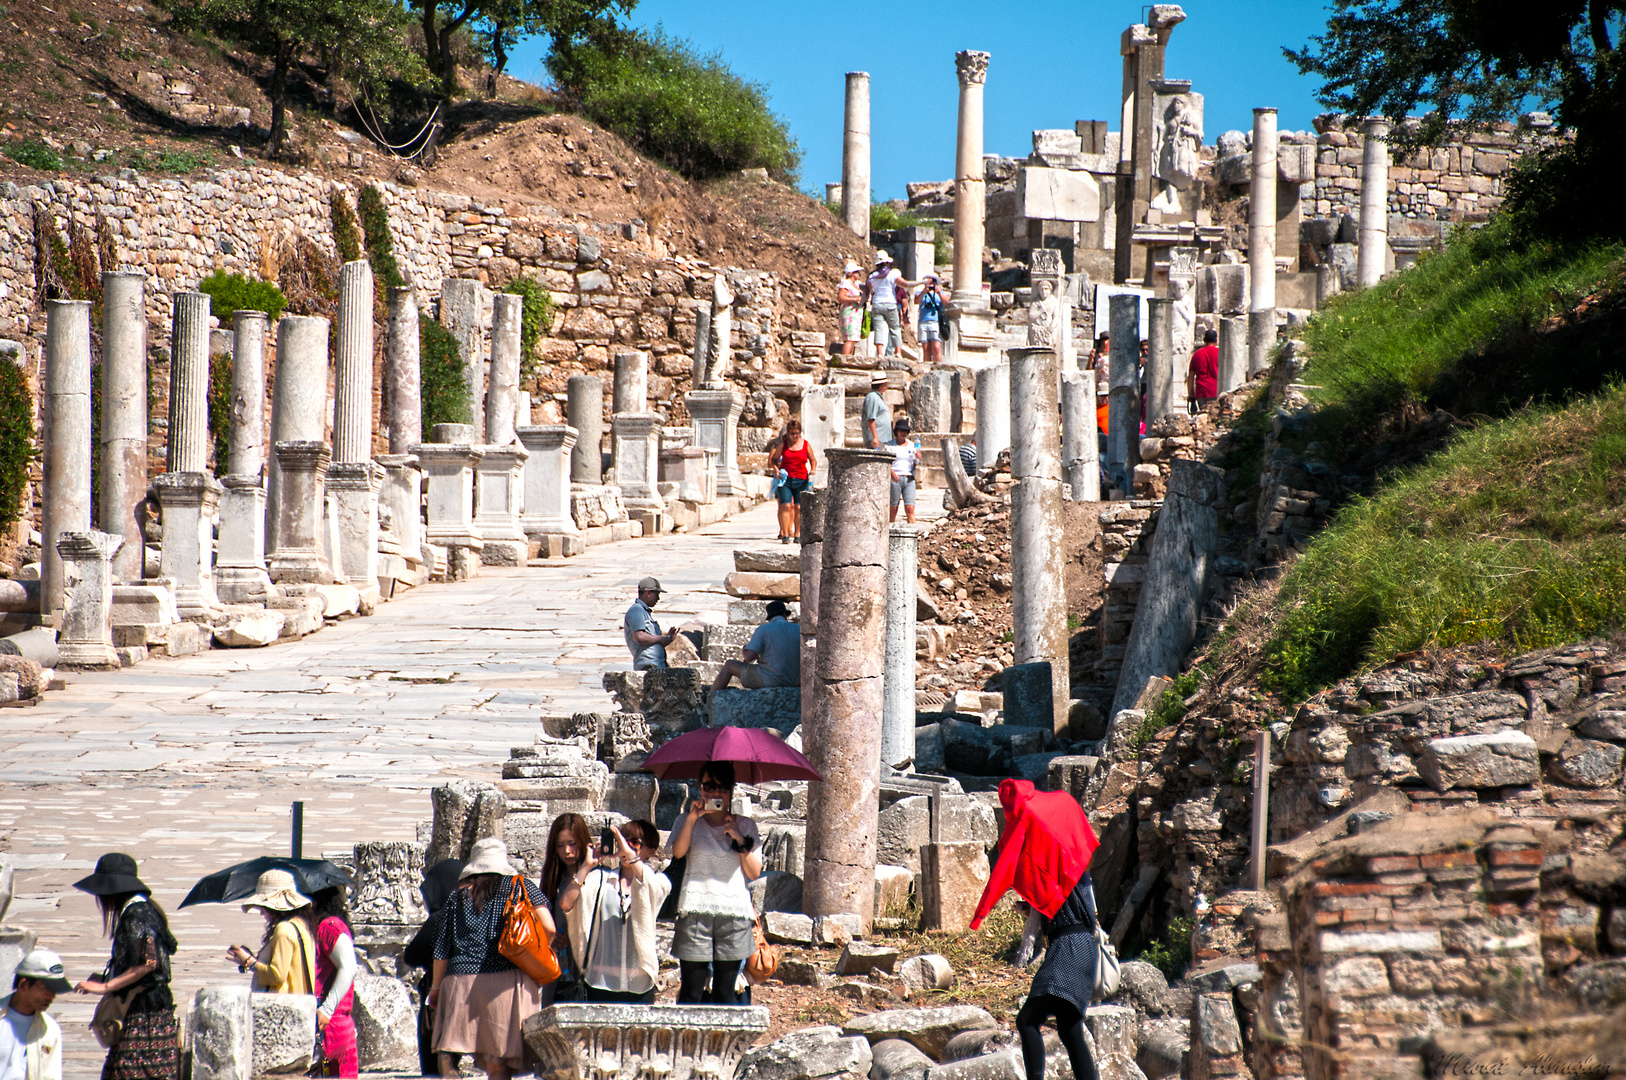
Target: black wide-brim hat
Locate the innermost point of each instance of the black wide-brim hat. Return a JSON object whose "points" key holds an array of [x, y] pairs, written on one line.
{"points": [[115, 874]]}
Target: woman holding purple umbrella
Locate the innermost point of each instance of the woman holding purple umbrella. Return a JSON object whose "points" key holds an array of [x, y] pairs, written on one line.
{"points": [[714, 914]]}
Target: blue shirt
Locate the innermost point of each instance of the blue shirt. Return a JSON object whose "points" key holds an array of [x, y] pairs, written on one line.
{"points": [[639, 617], [875, 408], [778, 645]]}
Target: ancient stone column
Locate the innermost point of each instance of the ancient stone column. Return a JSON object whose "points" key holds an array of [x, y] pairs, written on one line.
{"points": [[1123, 392], [247, 455], [1374, 202], [1038, 602], [547, 519], [448, 464], [1160, 358], [1233, 352], [299, 555], [811, 566], [934, 402], [969, 195], [584, 409], [405, 386], [65, 437], [993, 412], [843, 733], [124, 416], [462, 304], [1182, 321], [189, 385], [85, 639], [1262, 242], [702, 344], [1080, 452], [353, 379], [240, 570], [898, 684], [298, 400], [855, 156], [631, 391], [502, 397], [715, 415], [635, 460]]}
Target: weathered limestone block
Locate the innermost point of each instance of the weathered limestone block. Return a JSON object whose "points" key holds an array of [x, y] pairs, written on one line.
{"points": [[928, 1029], [284, 1027], [952, 877], [250, 630], [676, 1042], [386, 1023], [778, 707], [809, 1054], [1588, 763], [387, 875], [901, 830], [1480, 761], [922, 974], [465, 811], [776, 560], [861, 958], [221, 1034]]}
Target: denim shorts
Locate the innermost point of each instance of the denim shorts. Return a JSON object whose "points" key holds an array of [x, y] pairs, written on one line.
{"points": [[928, 331], [703, 937], [903, 491], [789, 489]]}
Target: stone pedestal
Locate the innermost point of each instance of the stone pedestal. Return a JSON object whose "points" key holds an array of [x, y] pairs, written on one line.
{"points": [[402, 377], [502, 398], [970, 341], [898, 691], [824, 417], [400, 515], [1123, 393], [499, 475], [1160, 358], [584, 411], [1233, 353], [547, 489], [855, 156], [1262, 242], [1080, 451], [715, 415], [1038, 606], [631, 390], [463, 306], [353, 486], [952, 879], [188, 446], [240, 569], [1374, 236], [449, 516], [685, 470], [301, 515], [189, 504], [969, 186], [353, 377], [635, 449], [65, 440], [935, 402], [674, 1042], [993, 412], [841, 736], [124, 415], [298, 400], [85, 639]]}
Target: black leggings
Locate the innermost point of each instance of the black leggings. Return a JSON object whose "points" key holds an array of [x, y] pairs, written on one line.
{"points": [[1069, 1025], [695, 974]]}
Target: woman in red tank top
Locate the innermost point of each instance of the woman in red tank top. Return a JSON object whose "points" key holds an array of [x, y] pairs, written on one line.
{"points": [[794, 457]]}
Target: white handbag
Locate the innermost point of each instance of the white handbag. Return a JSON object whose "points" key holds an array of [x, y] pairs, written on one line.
{"points": [[1108, 971]]}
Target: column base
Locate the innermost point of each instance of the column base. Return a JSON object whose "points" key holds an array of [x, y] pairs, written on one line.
{"points": [[242, 584], [86, 656], [299, 566]]}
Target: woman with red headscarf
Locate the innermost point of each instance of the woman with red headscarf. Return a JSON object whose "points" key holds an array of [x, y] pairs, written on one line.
{"points": [[1044, 854]]}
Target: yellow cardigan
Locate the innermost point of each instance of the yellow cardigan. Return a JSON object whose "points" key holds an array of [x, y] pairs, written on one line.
{"points": [[280, 969]]}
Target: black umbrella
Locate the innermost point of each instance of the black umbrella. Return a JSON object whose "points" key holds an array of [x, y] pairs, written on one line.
{"points": [[236, 882]]}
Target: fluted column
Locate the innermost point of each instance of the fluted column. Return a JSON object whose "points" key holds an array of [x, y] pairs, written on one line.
{"points": [[65, 438], [405, 386], [353, 379], [1080, 452], [124, 416], [1262, 242], [855, 155], [1374, 202], [189, 385], [898, 685]]}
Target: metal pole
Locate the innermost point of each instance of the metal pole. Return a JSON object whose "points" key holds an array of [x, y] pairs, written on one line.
{"points": [[299, 830], [1261, 810]]}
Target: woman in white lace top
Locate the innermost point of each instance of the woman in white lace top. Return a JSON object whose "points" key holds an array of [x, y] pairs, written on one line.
{"points": [[714, 914]]}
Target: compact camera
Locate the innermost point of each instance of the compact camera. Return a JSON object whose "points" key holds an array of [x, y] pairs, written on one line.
{"points": [[714, 805]]}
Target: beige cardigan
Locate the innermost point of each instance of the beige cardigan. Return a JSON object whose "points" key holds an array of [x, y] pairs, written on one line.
{"points": [[647, 897]]}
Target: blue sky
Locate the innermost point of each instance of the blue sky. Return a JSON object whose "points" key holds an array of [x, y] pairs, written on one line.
{"points": [[1054, 62]]}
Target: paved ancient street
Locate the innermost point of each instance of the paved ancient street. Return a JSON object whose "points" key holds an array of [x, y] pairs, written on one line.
{"points": [[190, 764]]}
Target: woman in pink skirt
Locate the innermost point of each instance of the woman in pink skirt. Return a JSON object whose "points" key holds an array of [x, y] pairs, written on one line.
{"points": [[335, 980]]}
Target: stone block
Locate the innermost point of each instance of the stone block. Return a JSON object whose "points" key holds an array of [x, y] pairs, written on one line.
{"points": [[898, 1059], [338, 600], [892, 887], [902, 829], [778, 707], [754, 613], [632, 795], [968, 818], [784, 559], [1028, 701], [388, 875], [1214, 1030], [861, 958], [1057, 195], [928, 1029], [979, 1042], [722, 642], [1070, 773], [676, 1042], [763, 586], [1116, 1032], [809, 1054], [15, 943], [1607, 724], [952, 877], [788, 928], [250, 630], [386, 1023], [1499, 759], [923, 974], [284, 1027], [1588, 763], [220, 1033], [777, 890]]}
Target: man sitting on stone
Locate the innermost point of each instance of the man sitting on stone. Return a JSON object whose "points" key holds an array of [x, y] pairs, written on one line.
{"points": [[773, 656]]}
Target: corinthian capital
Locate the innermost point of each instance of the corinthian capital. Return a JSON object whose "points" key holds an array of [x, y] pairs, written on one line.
{"points": [[972, 67]]}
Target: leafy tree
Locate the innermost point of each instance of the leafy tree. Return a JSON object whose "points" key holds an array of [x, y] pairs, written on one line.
{"points": [[503, 22], [359, 37]]}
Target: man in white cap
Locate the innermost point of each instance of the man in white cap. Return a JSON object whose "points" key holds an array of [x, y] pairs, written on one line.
{"points": [[642, 633], [30, 1038], [875, 416]]}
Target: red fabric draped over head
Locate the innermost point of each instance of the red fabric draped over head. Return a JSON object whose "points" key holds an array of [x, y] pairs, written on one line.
{"points": [[1044, 850]]}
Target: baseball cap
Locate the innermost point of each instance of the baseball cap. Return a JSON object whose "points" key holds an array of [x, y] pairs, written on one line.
{"points": [[649, 584], [43, 965]]}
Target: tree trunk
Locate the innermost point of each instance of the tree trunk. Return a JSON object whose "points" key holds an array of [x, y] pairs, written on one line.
{"points": [[282, 60], [431, 39], [448, 66], [960, 487]]}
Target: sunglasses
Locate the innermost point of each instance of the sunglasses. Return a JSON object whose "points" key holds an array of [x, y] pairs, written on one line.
{"points": [[710, 786]]}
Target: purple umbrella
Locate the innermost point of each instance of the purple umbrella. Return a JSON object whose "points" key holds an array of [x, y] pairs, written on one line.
{"points": [[756, 753]]}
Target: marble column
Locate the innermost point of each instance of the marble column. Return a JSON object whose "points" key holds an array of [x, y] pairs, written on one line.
{"points": [[353, 377], [65, 437], [1080, 452], [635, 460], [630, 393], [1233, 352], [85, 636], [448, 464], [1262, 242], [547, 519], [715, 415], [811, 566], [702, 344], [969, 185], [502, 398], [298, 401], [300, 556], [898, 684], [855, 156], [1370, 259], [124, 416], [188, 449], [462, 311], [842, 736], [584, 410], [993, 412], [1123, 392], [500, 477], [1182, 321], [84, 640], [1159, 358], [404, 380], [1038, 600], [240, 568]]}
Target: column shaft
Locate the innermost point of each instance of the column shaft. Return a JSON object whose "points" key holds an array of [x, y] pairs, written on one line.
{"points": [[189, 385], [247, 456], [1160, 359], [298, 400], [65, 437], [461, 312], [1080, 451], [353, 382], [855, 156], [124, 416], [1123, 393], [1262, 241], [1233, 352], [1038, 600], [898, 698], [993, 412], [502, 398], [1374, 202], [405, 386], [969, 186], [631, 391], [584, 408]]}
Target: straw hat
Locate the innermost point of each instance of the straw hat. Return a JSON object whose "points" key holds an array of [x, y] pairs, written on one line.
{"points": [[276, 891], [490, 856]]}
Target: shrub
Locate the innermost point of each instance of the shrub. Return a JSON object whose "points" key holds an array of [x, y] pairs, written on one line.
{"points": [[229, 293], [375, 224], [346, 234], [16, 441], [1171, 953], [535, 318], [182, 161], [445, 394], [220, 408], [33, 154], [687, 110], [885, 217]]}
